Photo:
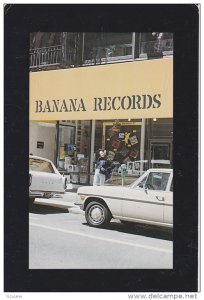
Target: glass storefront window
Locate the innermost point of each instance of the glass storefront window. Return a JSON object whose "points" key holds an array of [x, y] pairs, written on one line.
{"points": [[160, 151], [161, 128], [160, 155], [74, 150], [121, 138], [66, 144]]}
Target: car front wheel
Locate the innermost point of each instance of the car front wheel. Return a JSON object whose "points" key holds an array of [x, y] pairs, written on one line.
{"points": [[97, 214]]}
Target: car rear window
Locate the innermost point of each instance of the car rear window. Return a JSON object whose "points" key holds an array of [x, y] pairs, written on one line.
{"points": [[40, 165]]}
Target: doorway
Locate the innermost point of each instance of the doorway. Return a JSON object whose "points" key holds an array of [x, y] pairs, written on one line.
{"points": [[160, 154]]}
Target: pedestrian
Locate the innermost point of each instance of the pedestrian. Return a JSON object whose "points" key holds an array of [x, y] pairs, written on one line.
{"points": [[108, 166], [100, 171]]}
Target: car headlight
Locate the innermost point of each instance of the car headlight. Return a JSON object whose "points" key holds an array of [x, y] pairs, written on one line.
{"points": [[82, 197]]}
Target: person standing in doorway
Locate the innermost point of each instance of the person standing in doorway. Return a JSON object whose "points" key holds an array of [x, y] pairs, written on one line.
{"points": [[100, 172]]}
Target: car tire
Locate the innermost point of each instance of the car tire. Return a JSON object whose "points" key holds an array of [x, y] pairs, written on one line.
{"points": [[97, 214]]}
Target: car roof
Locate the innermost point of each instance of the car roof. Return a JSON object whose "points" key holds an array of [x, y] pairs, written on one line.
{"points": [[160, 170], [39, 157]]}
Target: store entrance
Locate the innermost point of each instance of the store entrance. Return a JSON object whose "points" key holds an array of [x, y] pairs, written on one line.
{"points": [[160, 154]]}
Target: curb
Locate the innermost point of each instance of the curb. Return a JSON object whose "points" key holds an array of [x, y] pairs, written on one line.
{"points": [[76, 210], [71, 207]]}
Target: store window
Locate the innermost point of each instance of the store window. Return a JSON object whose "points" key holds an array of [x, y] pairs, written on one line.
{"points": [[160, 155], [66, 146], [122, 140], [74, 150], [161, 128]]}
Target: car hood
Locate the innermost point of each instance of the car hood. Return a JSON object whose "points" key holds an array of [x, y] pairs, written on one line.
{"points": [[100, 190]]}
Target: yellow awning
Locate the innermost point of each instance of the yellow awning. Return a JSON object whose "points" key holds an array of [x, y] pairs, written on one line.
{"points": [[139, 89]]}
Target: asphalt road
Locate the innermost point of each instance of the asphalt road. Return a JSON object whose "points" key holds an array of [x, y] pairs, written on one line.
{"points": [[61, 239]]}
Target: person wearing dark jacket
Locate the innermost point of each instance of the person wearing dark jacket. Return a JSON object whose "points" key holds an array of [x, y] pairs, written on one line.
{"points": [[100, 171], [103, 169]]}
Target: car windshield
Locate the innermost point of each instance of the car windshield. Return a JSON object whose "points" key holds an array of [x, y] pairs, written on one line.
{"points": [[134, 184], [40, 165]]}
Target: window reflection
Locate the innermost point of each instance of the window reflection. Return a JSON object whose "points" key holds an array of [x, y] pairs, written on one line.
{"points": [[40, 165], [157, 181]]}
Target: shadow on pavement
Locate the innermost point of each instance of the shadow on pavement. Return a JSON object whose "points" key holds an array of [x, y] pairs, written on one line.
{"points": [[45, 209], [141, 229]]}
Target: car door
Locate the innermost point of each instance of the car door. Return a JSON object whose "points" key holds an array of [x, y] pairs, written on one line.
{"points": [[145, 201], [168, 205], [44, 178]]}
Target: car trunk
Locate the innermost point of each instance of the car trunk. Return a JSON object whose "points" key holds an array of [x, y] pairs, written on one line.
{"points": [[50, 183]]}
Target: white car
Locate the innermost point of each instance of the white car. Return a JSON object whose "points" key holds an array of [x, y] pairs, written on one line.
{"points": [[44, 178], [148, 200]]}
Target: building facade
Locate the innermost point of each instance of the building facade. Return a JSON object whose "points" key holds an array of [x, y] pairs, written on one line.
{"points": [[125, 60]]}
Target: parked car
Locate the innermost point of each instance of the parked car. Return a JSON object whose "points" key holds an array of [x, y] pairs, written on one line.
{"points": [[44, 179], [148, 200]]}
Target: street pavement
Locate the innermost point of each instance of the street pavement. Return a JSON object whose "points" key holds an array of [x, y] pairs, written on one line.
{"points": [[58, 232]]}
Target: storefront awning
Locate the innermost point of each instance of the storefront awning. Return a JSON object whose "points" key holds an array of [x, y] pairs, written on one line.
{"points": [[139, 89]]}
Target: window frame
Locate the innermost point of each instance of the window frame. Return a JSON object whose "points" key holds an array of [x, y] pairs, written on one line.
{"points": [[168, 185]]}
